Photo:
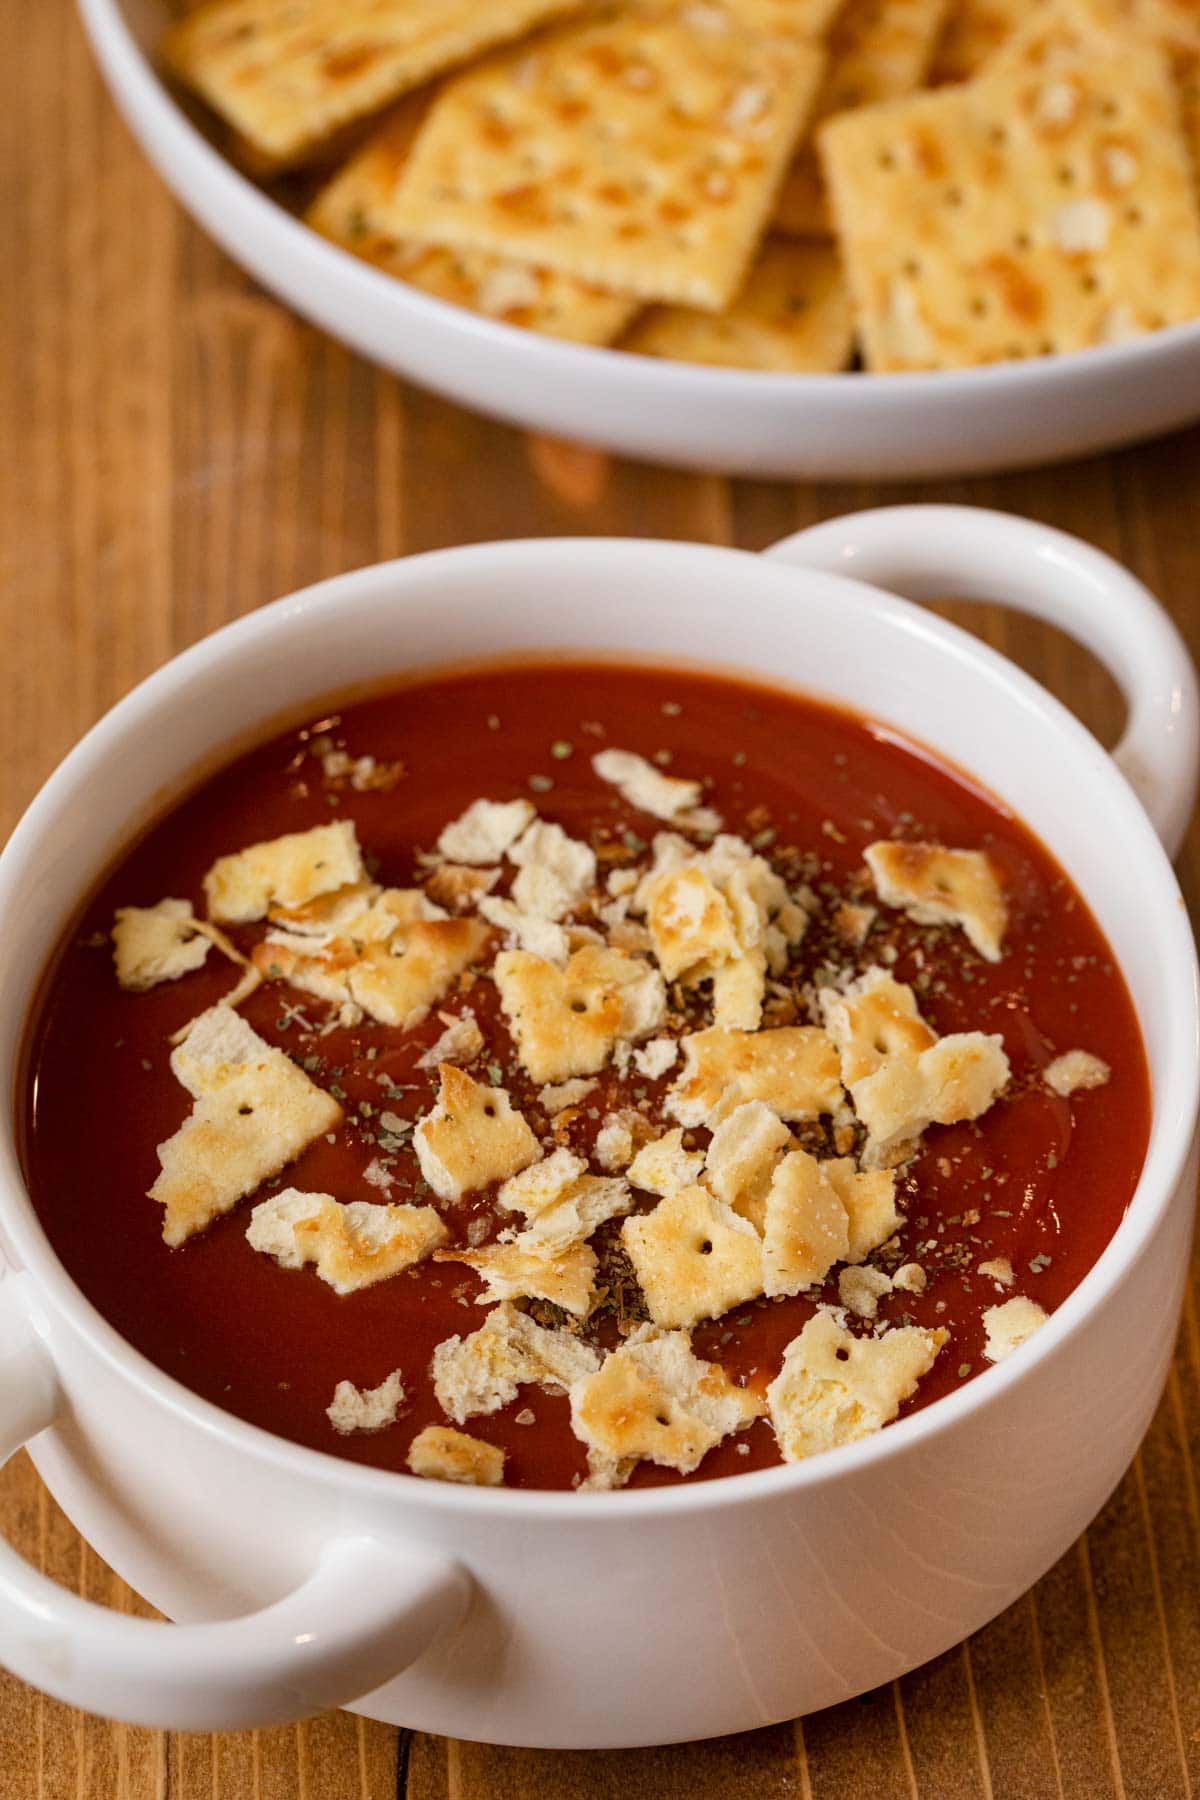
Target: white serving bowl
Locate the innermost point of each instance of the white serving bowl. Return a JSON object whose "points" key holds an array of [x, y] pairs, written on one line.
{"points": [[846, 426], [602, 1619]]}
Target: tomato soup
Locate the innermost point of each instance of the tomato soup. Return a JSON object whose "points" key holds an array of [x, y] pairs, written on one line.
{"points": [[771, 916]]}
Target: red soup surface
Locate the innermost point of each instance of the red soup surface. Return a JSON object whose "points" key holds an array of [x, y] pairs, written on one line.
{"points": [[1040, 1179]]}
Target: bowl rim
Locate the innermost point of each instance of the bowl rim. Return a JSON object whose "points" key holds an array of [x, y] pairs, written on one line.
{"points": [[643, 377], [1175, 1093]]}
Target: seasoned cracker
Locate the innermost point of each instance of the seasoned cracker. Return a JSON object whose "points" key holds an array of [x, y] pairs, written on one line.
{"points": [[254, 1112], [655, 1400], [472, 1137], [285, 871], [792, 1068], [348, 212], [694, 1257], [936, 886], [567, 1021], [878, 50], [288, 78], [792, 313], [156, 943], [742, 1156], [482, 1372], [533, 1270], [805, 1228], [671, 797], [366, 1409], [634, 151], [1008, 1326], [353, 1245], [869, 1197], [442, 1454], [834, 1387], [1029, 211]]}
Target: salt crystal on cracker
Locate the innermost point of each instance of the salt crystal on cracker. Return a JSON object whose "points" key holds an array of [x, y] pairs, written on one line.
{"points": [[254, 1112]]}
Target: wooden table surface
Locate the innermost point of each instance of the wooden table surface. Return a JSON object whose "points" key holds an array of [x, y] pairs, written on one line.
{"points": [[175, 449]]}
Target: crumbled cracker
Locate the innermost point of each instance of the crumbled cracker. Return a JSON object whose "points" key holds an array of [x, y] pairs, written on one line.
{"points": [[654, 1400], [555, 872], [614, 1143], [742, 1157], [473, 1136], [664, 1166], [284, 871], [910, 1278], [484, 832], [156, 943], [353, 1245], [325, 916], [254, 1113], [648, 790], [689, 921], [561, 1202], [869, 1197], [738, 990], [366, 1409], [936, 886], [793, 1069], [1009, 1325], [556, 1097], [852, 923], [804, 1226], [655, 1058], [694, 1257], [460, 887], [999, 1269], [531, 1269], [442, 1454], [901, 1076], [861, 1289], [567, 1021], [527, 931], [482, 1372], [834, 1387], [1075, 1069], [460, 1042]]}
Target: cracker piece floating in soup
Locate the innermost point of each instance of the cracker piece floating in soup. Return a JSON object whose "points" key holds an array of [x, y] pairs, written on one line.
{"points": [[459, 887], [902, 1077], [562, 1203], [290, 78], [482, 1372], [655, 1400], [156, 943], [328, 915], [936, 886], [742, 1156], [869, 1197], [530, 1268], [440, 1453], [460, 1042], [648, 790], [353, 1244], [793, 1069], [1075, 1069], [555, 872], [286, 871], [805, 1228], [254, 1113], [366, 1409], [655, 1058], [664, 1166], [527, 931], [566, 1022], [861, 1289], [484, 832], [694, 1257], [1010, 1325], [473, 1137], [834, 1387], [556, 1096]]}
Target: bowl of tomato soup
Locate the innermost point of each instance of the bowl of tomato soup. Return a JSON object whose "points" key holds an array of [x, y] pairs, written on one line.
{"points": [[568, 1085]]}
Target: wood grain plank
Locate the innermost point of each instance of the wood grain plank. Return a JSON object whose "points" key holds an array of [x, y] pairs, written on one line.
{"points": [[860, 1747]]}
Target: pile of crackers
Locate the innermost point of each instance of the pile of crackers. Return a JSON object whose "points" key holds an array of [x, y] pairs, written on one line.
{"points": [[765, 184]]}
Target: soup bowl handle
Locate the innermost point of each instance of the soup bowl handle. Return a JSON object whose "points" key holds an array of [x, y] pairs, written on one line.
{"points": [[365, 1611], [970, 553]]}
